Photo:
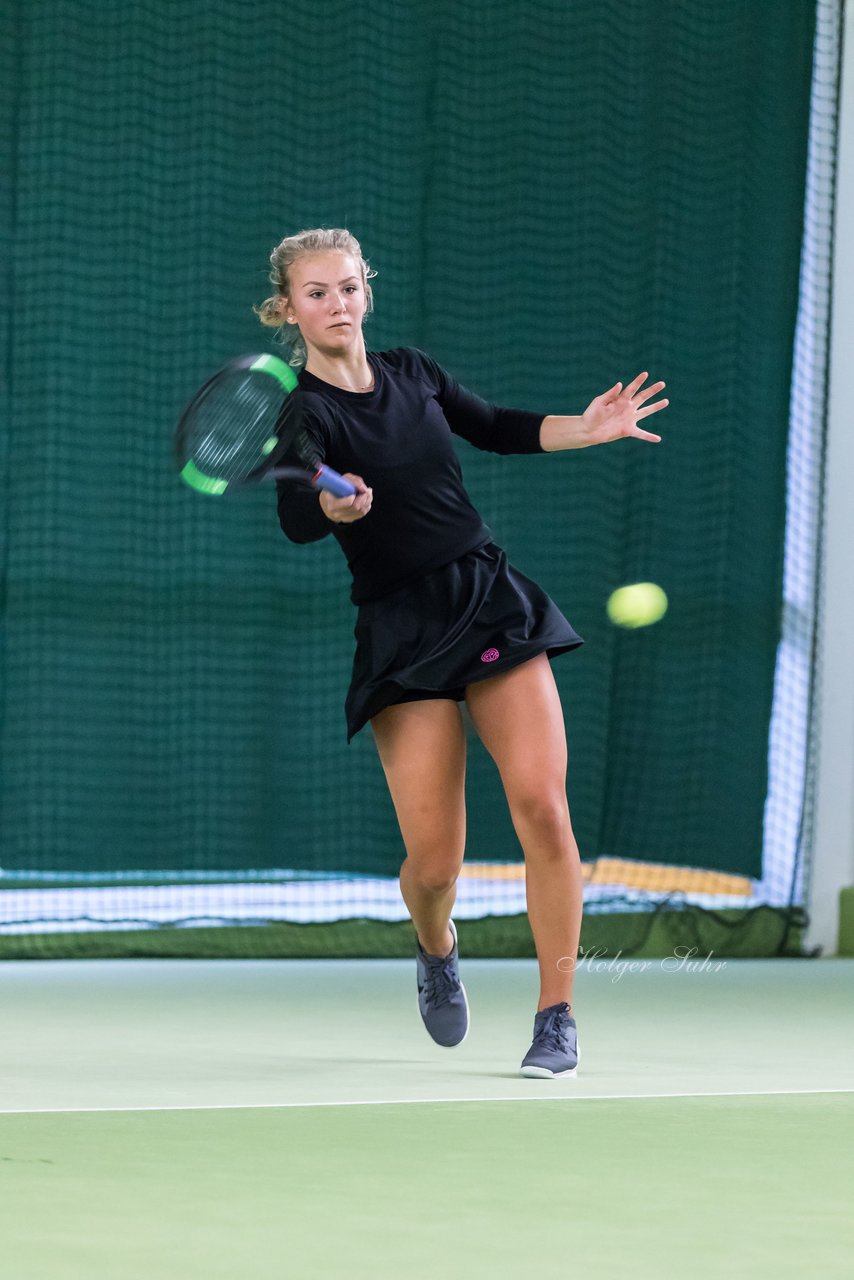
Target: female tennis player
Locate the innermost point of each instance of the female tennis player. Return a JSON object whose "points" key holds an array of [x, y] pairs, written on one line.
{"points": [[442, 616]]}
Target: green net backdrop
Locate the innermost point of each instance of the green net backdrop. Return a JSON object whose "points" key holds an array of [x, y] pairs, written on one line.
{"points": [[555, 197]]}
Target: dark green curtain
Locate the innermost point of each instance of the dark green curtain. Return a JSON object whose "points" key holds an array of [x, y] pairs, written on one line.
{"points": [[556, 196]]}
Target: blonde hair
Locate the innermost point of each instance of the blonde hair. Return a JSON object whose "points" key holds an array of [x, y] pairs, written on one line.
{"points": [[271, 312]]}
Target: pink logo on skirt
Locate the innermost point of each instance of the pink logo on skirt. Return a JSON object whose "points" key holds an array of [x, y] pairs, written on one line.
{"points": [[489, 655]]}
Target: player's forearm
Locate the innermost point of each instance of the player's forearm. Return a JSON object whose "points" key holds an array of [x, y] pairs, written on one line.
{"points": [[558, 433], [300, 514]]}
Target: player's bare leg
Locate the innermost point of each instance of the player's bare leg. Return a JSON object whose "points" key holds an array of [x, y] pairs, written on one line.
{"points": [[422, 748], [520, 721]]}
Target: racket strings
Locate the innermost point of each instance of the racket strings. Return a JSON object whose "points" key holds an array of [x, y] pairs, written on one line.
{"points": [[236, 426]]}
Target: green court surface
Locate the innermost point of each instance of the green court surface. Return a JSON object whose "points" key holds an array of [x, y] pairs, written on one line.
{"points": [[292, 1119]]}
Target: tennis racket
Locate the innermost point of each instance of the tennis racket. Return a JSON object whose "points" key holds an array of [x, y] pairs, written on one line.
{"points": [[240, 422]]}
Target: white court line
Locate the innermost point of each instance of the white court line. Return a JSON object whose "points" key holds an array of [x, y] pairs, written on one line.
{"points": [[403, 1102]]}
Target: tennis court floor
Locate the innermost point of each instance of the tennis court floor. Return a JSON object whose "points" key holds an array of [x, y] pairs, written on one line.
{"points": [[292, 1119]]}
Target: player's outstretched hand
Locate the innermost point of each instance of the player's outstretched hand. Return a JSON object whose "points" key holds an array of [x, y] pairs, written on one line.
{"points": [[346, 510], [616, 413]]}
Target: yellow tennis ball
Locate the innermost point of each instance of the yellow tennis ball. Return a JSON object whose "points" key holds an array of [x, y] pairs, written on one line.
{"points": [[637, 605]]}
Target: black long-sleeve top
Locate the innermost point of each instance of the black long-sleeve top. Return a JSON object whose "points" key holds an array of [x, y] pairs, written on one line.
{"points": [[398, 438]]}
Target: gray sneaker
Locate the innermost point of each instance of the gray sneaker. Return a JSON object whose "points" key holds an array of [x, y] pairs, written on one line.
{"points": [[555, 1048], [441, 996]]}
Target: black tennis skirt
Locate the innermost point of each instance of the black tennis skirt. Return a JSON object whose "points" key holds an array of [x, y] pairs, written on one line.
{"points": [[470, 619]]}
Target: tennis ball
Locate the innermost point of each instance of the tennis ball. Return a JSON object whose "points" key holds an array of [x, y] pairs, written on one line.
{"points": [[637, 605]]}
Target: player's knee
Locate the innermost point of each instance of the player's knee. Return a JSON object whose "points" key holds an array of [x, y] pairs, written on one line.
{"points": [[541, 815], [436, 874]]}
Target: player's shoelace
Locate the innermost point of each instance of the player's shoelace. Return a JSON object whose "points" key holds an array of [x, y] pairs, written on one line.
{"points": [[553, 1031], [441, 982]]}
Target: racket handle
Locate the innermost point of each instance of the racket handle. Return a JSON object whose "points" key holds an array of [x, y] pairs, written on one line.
{"points": [[326, 478]]}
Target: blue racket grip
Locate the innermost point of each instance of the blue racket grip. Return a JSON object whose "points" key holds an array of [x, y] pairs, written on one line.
{"points": [[326, 478]]}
